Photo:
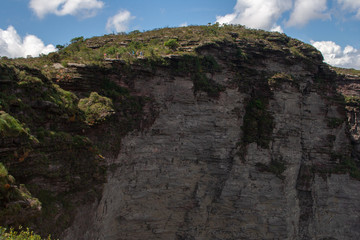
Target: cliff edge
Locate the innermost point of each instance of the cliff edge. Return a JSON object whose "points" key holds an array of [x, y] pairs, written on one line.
{"points": [[208, 132]]}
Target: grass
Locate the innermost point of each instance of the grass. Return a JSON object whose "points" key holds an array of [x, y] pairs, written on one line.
{"points": [[10, 126], [346, 71], [278, 78], [159, 42], [3, 171]]}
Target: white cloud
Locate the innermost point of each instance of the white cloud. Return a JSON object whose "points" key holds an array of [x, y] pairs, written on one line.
{"points": [[276, 28], [11, 44], [351, 5], [257, 13], [83, 8], [306, 10], [185, 24], [349, 57], [119, 22]]}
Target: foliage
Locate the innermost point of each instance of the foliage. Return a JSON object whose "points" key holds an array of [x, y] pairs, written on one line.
{"points": [[347, 71], [347, 164], [172, 44], [202, 83], [10, 126], [3, 171], [96, 108], [258, 123], [334, 122], [198, 66], [77, 39], [276, 167], [27, 234], [278, 78], [59, 47], [352, 101]]}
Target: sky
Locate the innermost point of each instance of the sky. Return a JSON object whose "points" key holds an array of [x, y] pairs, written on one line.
{"points": [[33, 27]]}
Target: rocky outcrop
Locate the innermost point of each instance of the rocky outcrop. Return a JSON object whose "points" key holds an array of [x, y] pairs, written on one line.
{"points": [[196, 173], [250, 136]]}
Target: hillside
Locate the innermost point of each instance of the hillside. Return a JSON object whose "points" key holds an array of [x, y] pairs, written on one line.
{"points": [[200, 132]]}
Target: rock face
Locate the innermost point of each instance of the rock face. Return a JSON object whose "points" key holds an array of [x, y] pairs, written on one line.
{"points": [[237, 134], [268, 156]]}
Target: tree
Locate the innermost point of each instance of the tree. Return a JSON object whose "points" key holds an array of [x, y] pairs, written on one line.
{"points": [[77, 39], [172, 44]]}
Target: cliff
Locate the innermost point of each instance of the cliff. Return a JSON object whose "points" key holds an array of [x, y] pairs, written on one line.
{"points": [[192, 133]]}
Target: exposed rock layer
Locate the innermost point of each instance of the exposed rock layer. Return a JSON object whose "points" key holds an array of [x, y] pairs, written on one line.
{"points": [[191, 175], [242, 135]]}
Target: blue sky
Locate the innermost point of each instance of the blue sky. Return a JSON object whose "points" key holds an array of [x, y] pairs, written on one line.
{"points": [[31, 27]]}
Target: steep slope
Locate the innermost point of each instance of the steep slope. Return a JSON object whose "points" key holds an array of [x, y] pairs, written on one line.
{"points": [[240, 134]]}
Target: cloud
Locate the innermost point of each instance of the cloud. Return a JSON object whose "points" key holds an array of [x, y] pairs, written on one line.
{"points": [[351, 5], [257, 13], [83, 8], [349, 57], [11, 44], [276, 29], [185, 24], [119, 22], [306, 10]]}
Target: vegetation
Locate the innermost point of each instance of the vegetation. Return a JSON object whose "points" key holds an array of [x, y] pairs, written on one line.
{"points": [[348, 165], [11, 127], [276, 167], [64, 123], [335, 122], [352, 101], [27, 234], [172, 44], [96, 108], [277, 79], [258, 123], [346, 71]]}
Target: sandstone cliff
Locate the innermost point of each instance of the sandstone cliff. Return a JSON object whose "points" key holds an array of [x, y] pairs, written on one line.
{"points": [[247, 136]]}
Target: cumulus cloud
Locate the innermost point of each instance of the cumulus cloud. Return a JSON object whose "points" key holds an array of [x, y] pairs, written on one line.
{"points": [[306, 10], [257, 13], [351, 5], [83, 8], [11, 44], [348, 57], [119, 22]]}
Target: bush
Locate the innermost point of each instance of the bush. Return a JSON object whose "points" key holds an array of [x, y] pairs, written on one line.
{"points": [[9, 126], [96, 108], [172, 44], [21, 235]]}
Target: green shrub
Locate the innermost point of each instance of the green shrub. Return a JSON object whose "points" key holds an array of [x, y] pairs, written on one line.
{"points": [[3, 171], [352, 101], [10, 126], [96, 108], [77, 39], [172, 44], [19, 235]]}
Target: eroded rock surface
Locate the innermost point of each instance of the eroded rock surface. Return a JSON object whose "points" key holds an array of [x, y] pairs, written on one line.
{"points": [[191, 174]]}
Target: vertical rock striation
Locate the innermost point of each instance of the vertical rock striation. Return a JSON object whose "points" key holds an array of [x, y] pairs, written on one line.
{"points": [[261, 159]]}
